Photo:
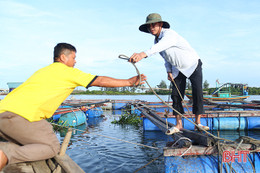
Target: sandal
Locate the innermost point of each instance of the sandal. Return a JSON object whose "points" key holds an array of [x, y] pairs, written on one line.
{"points": [[172, 130], [201, 126]]}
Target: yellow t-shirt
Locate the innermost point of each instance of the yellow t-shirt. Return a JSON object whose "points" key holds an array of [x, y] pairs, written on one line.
{"points": [[40, 96]]}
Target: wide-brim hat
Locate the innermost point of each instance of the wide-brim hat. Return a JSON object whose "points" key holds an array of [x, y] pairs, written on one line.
{"points": [[153, 18]]}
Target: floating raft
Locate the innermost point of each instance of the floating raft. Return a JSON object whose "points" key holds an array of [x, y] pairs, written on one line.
{"points": [[200, 152]]}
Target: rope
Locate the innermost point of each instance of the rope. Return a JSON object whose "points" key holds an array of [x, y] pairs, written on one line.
{"points": [[137, 71], [185, 150], [148, 163], [220, 148], [189, 113], [215, 137]]}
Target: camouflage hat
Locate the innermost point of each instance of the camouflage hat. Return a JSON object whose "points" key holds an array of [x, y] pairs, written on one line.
{"points": [[153, 18]]}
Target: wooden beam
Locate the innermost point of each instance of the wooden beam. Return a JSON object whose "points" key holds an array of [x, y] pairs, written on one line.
{"points": [[197, 138], [161, 124], [200, 150]]}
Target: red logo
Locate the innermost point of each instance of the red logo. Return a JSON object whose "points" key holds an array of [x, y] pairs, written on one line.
{"points": [[230, 156]]}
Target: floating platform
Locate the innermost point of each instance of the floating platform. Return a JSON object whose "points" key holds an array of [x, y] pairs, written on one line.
{"points": [[203, 152], [209, 163], [214, 119]]}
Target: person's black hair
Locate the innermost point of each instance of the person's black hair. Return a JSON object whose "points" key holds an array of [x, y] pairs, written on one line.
{"points": [[60, 48]]}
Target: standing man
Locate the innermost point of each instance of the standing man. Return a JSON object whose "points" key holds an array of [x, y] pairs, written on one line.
{"points": [[181, 62], [24, 110]]}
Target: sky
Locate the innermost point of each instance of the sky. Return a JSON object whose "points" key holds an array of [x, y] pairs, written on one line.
{"points": [[225, 34]]}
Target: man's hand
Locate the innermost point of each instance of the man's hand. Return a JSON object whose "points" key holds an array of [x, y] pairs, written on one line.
{"points": [[137, 57], [170, 78], [136, 81]]}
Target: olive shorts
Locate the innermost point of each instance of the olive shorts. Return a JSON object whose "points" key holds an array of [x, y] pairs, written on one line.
{"points": [[27, 141]]}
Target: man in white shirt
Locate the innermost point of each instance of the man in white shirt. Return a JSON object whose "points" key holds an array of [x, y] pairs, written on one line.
{"points": [[181, 62]]}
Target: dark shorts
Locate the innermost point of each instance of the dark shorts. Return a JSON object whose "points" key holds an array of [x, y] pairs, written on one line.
{"points": [[197, 91]]}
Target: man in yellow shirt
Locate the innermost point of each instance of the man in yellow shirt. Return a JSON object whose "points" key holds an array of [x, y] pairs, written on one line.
{"points": [[24, 110]]}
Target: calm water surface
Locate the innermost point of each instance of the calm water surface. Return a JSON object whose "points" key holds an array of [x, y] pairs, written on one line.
{"points": [[94, 153]]}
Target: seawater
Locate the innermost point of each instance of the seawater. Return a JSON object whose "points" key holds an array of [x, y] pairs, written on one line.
{"points": [[94, 153]]}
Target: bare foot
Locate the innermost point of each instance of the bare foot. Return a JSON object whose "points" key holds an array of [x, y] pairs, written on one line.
{"points": [[179, 127], [3, 160]]}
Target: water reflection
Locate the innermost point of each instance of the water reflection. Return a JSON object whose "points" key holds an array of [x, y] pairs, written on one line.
{"points": [[94, 121], [81, 129]]}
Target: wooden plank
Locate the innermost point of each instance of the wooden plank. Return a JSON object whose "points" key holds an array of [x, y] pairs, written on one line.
{"points": [[68, 164], [215, 114], [161, 123], [51, 165], [223, 105], [200, 150], [198, 138], [18, 167], [40, 167]]}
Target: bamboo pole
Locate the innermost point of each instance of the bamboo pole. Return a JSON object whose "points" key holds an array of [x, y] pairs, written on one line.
{"points": [[65, 142], [63, 149]]}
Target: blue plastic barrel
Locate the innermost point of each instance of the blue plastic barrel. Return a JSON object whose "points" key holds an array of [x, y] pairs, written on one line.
{"points": [[148, 125], [118, 106], [190, 126], [206, 164], [94, 112], [253, 123], [72, 118], [56, 118], [230, 123]]}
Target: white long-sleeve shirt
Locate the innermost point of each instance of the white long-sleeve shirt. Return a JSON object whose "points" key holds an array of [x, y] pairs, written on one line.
{"points": [[176, 51]]}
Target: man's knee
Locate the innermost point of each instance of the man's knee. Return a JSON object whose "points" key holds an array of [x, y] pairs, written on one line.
{"points": [[55, 148]]}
